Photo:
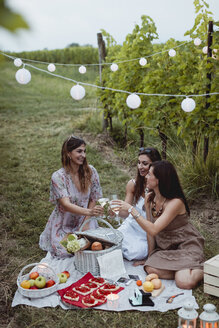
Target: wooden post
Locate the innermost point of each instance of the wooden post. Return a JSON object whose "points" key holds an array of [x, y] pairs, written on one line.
{"points": [[102, 56], [208, 90]]}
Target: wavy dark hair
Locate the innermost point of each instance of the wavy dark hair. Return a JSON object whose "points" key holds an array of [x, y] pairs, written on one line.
{"points": [[169, 184], [140, 182], [84, 172]]}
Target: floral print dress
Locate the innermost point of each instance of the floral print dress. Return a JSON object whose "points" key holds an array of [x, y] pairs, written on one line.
{"points": [[61, 222]]}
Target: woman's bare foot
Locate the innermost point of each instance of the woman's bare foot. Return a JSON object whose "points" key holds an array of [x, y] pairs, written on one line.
{"points": [[140, 262]]}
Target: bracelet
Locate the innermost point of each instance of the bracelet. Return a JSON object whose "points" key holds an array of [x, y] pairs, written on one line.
{"points": [[136, 216]]}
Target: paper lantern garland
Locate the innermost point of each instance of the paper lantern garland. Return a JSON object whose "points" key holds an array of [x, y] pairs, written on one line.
{"points": [[143, 61], [114, 67], [188, 105], [133, 101], [23, 76], [51, 68], [82, 69], [77, 92], [18, 62], [172, 53]]}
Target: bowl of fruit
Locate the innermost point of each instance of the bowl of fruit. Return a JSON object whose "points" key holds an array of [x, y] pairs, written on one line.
{"points": [[37, 280]]}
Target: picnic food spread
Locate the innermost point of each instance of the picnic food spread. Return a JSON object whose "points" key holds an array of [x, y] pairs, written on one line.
{"points": [[89, 291]]}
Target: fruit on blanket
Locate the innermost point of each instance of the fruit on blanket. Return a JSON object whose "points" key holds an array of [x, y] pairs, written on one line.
{"points": [[62, 278], [32, 282], [151, 276], [40, 282], [25, 284], [96, 246], [138, 282], [148, 286], [67, 273], [33, 275], [50, 283], [157, 283]]}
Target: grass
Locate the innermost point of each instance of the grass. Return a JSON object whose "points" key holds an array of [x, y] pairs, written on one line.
{"points": [[35, 119]]}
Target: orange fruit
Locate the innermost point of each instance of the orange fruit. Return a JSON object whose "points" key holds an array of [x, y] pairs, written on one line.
{"points": [[157, 283], [148, 286], [25, 284], [96, 246], [138, 282]]}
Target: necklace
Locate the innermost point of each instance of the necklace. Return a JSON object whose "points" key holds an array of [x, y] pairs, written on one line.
{"points": [[154, 212]]}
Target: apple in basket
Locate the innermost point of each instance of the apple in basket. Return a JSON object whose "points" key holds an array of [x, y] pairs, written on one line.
{"points": [[40, 282], [50, 283], [33, 275], [32, 282]]}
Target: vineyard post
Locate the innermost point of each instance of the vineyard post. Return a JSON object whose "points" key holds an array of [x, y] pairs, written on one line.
{"points": [[207, 104], [102, 56]]}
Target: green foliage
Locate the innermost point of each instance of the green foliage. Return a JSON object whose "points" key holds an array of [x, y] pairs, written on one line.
{"points": [[69, 55], [185, 74], [9, 19]]}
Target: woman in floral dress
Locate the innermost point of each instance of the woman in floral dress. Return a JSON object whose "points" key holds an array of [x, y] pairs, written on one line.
{"points": [[75, 188]]}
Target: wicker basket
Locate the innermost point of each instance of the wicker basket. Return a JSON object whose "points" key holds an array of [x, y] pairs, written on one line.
{"points": [[86, 261], [43, 269]]}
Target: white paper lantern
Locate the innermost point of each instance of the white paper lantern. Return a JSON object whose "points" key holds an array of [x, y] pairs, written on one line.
{"points": [[197, 42], [133, 101], [23, 76], [188, 105], [143, 61], [114, 67], [18, 62], [82, 69], [172, 53], [205, 50], [51, 68], [77, 92]]}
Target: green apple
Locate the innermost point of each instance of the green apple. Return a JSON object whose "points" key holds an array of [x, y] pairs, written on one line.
{"points": [[40, 282], [62, 278], [32, 282]]}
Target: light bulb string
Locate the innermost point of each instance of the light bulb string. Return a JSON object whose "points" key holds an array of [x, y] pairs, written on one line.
{"points": [[98, 64], [118, 90]]}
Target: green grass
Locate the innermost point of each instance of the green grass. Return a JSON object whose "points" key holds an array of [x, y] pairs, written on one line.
{"points": [[35, 119]]}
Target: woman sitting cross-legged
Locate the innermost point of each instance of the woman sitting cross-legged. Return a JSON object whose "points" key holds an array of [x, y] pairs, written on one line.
{"points": [[75, 188], [175, 245]]}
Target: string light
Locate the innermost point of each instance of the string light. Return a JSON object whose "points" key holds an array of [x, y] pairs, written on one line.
{"points": [[51, 68], [172, 53], [18, 62], [77, 92], [205, 50], [133, 101], [188, 105], [142, 61], [23, 76], [82, 69], [114, 67], [197, 42]]}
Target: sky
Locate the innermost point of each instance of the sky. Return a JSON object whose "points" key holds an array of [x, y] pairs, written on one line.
{"points": [[54, 24]]}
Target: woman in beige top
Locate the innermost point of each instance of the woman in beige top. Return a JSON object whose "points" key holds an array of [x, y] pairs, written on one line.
{"points": [[175, 247]]}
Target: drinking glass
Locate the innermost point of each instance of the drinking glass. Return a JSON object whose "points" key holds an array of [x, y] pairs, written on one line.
{"points": [[117, 219]]}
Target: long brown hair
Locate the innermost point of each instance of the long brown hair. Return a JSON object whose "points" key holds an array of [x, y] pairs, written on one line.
{"points": [[140, 182], [168, 181], [84, 171]]}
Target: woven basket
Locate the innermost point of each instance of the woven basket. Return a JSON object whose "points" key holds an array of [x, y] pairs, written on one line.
{"points": [[86, 261], [43, 269]]}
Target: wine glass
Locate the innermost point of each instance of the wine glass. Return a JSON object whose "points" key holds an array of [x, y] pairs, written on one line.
{"points": [[113, 197]]}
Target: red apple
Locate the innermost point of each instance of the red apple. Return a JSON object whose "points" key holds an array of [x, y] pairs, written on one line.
{"points": [[50, 283], [33, 275], [67, 273], [33, 287]]}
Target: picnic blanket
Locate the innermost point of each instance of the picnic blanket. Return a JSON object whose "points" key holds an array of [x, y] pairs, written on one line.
{"points": [[160, 304]]}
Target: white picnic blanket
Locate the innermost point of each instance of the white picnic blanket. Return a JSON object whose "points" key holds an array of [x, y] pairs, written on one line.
{"points": [[160, 304]]}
